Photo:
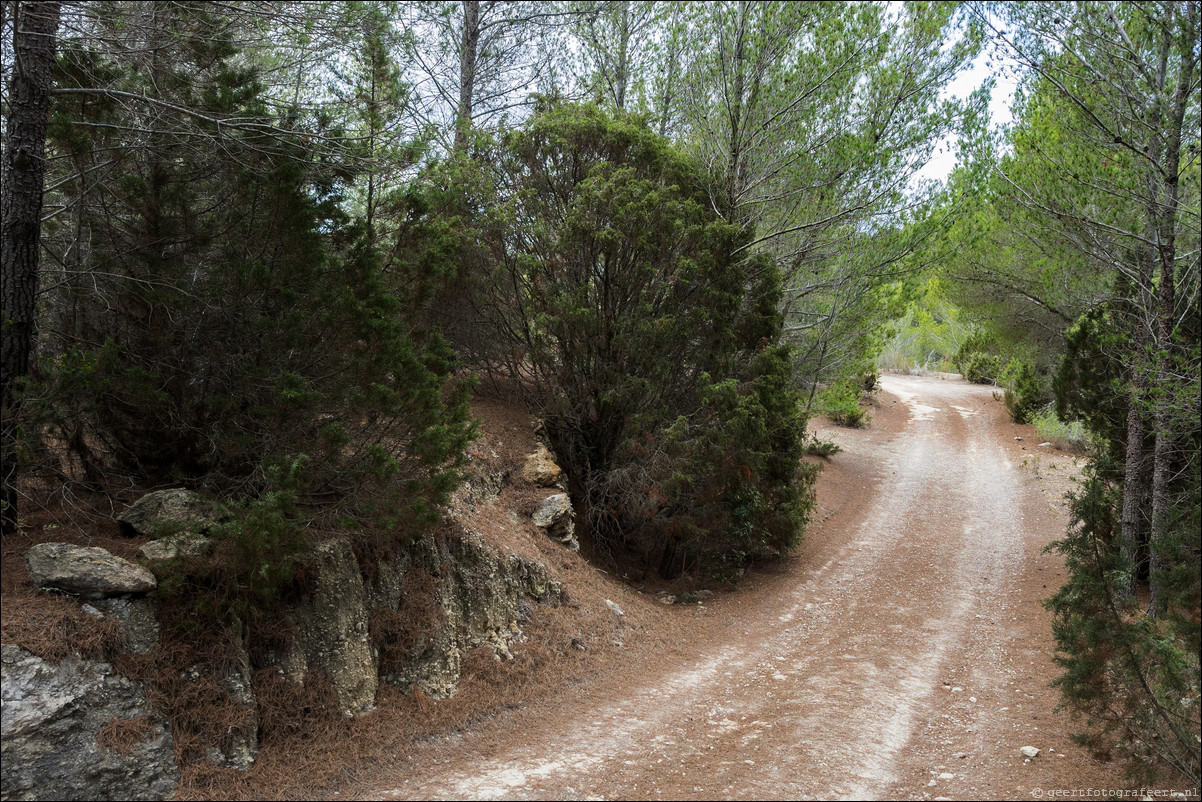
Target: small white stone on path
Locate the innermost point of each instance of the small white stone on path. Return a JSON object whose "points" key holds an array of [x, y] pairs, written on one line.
{"points": [[946, 776], [1029, 751]]}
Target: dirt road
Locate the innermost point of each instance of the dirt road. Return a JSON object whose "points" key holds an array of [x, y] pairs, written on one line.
{"points": [[905, 654]]}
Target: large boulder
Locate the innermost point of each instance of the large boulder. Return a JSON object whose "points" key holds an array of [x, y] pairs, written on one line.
{"points": [[79, 731], [164, 513], [331, 632], [86, 571], [556, 516], [541, 469]]}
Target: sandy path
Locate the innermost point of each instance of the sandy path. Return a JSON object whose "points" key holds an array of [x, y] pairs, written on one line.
{"points": [[905, 655]]}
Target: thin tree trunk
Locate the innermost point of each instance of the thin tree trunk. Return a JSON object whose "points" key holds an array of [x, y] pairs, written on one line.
{"points": [[1164, 205], [623, 71], [467, 71], [34, 27]]}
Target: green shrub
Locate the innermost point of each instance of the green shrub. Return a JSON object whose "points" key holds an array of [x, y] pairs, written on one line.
{"points": [[1070, 436], [257, 553], [1135, 677], [981, 368], [645, 338], [841, 403], [821, 448], [1025, 391]]}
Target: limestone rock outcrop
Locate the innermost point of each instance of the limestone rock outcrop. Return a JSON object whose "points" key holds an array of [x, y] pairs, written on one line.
{"points": [[79, 731]]}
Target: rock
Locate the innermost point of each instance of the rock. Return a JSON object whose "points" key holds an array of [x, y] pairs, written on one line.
{"points": [[1019, 439], [1029, 751], [187, 544], [614, 608], [557, 517], [541, 469], [169, 512], [485, 475], [1044, 445], [85, 571], [331, 629], [139, 618], [666, 599], [947, 776], [480, 597], [79, 731]]}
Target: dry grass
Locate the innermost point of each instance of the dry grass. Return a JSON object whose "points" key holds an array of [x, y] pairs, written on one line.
{"points": [[125, 735], [396, 632], [53, 627]]}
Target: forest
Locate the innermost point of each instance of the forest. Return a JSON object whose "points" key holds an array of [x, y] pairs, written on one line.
{"points": [[269, 251]]}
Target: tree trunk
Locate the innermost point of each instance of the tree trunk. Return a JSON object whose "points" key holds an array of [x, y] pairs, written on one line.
{"points": [[467, 71], [623, 72], [34, 27], [1164, 208]]}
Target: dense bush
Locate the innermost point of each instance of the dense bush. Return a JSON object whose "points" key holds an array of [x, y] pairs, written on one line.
{"points": [[1025, 392], [981, 368], [610, 295], [1133, 672], [1066, 435], [1135, 676], [977, 359]]}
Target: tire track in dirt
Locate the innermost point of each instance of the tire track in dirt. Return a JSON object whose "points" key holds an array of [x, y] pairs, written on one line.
{"points": [[818, 690]]}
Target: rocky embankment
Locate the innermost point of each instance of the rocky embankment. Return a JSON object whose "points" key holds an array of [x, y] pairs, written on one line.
{"points": [[79, 729]]}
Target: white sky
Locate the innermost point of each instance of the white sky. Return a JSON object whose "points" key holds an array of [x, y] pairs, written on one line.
{"points": [[944, 158]]}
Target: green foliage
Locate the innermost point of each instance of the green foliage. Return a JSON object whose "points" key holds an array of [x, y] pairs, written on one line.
{"points": [[649, 351], [821, 448], [929, 335], [1025, 391], [841, 403], [976, 360], [1066, 435], [228, 314], [981, 368], [1135, 677], [1089, 384]]}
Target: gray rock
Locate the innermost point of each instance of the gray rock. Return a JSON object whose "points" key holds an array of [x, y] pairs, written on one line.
{"points": [[541, 469], [56, 721], [482, 599], [1030, 751], [138, 617], [614, 608], [169, 548], [169, 512], [556, 516], [85, 571], [331, 630]]}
